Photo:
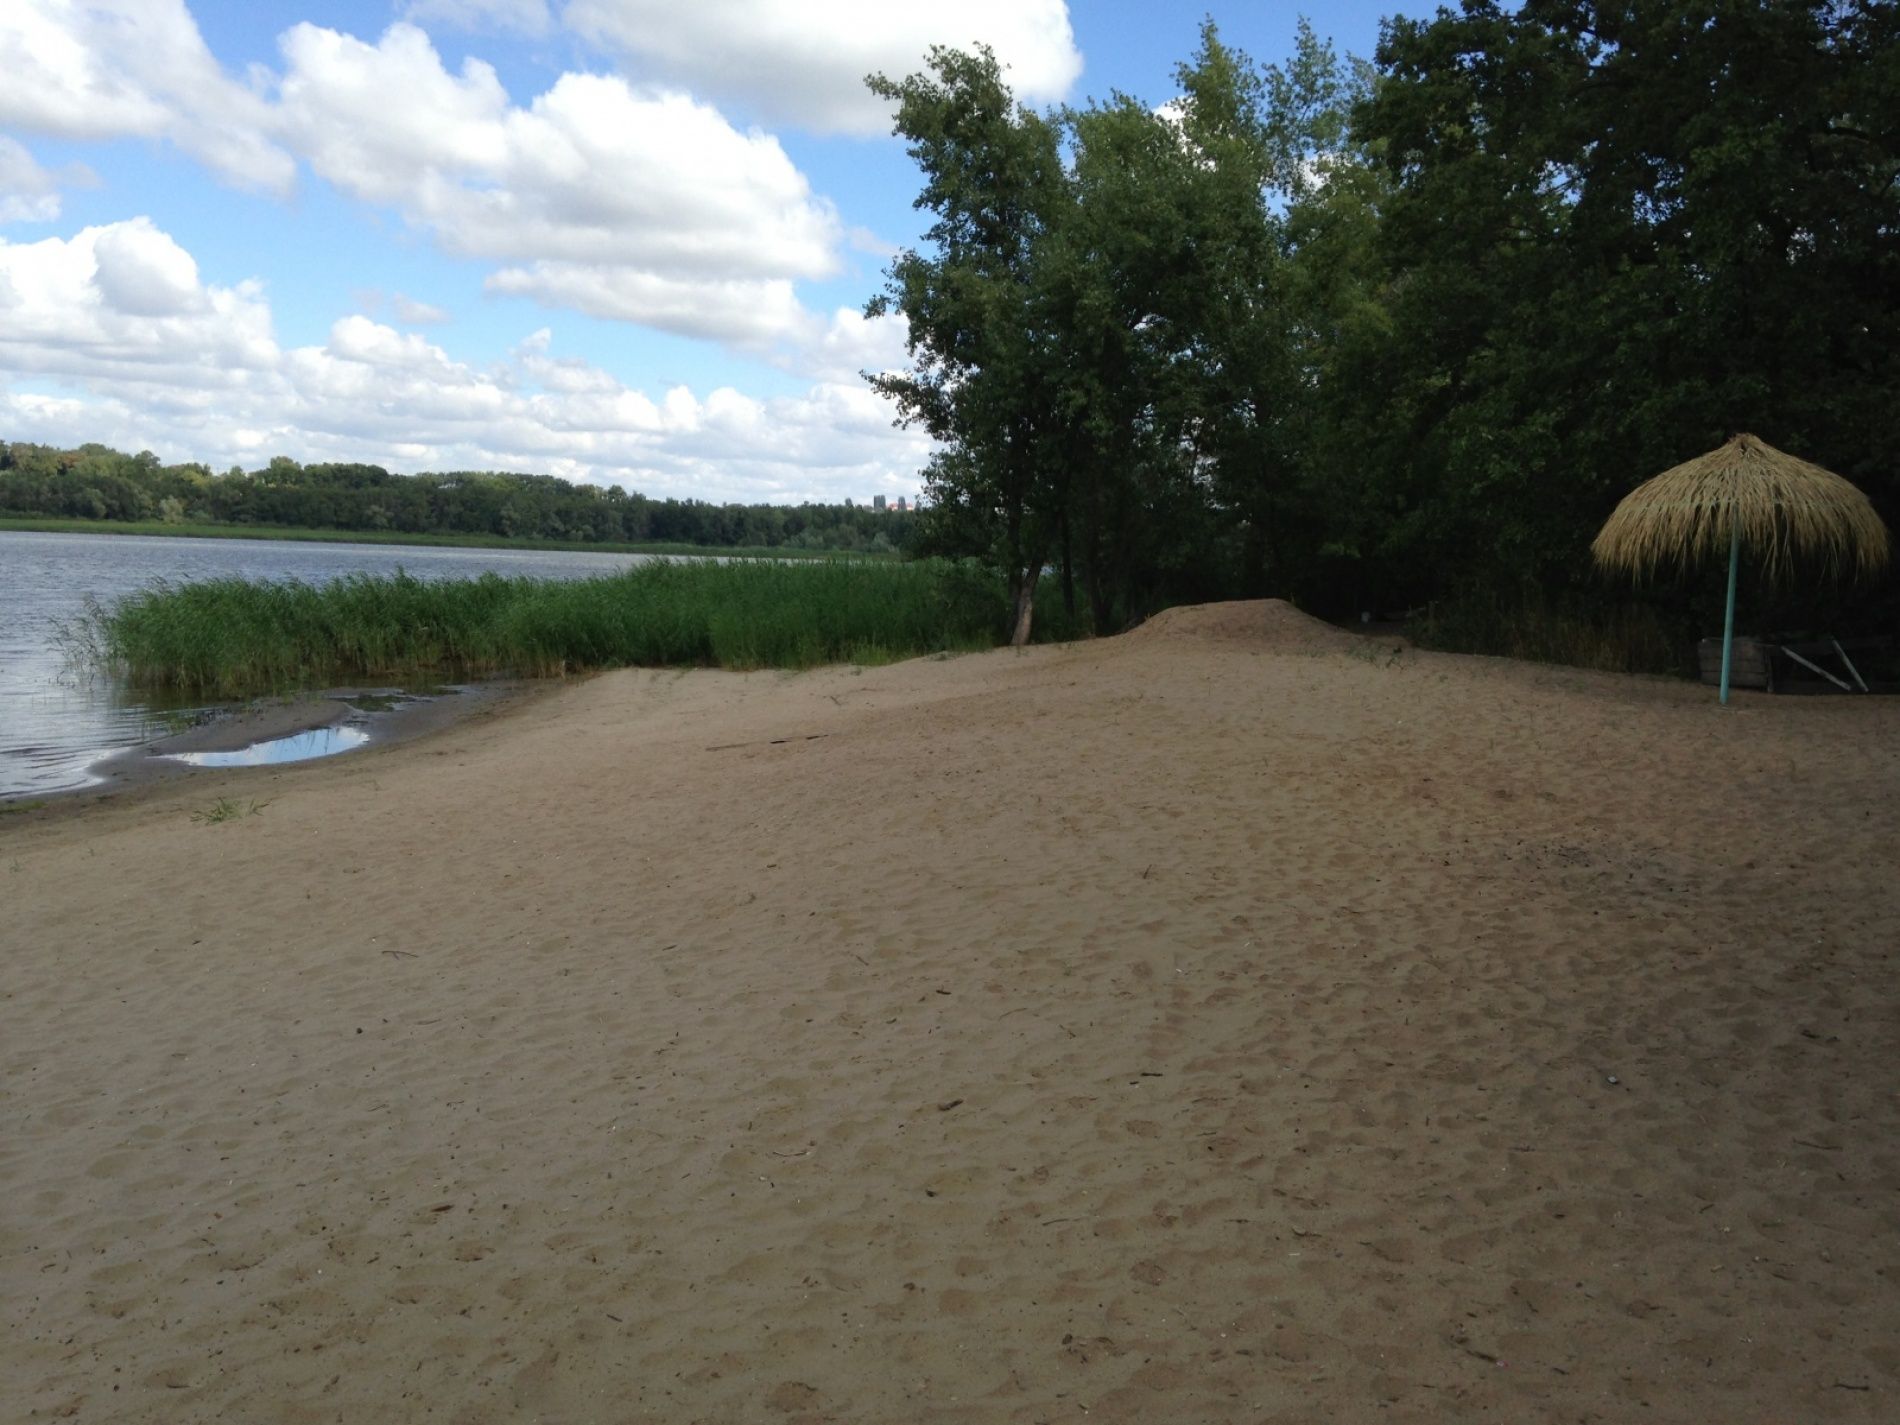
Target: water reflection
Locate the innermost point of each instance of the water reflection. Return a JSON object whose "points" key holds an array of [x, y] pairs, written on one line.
{"points": [[300, 747]]}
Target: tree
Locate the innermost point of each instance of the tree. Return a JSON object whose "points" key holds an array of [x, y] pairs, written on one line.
{"points": [[1341, 511], [1111, 356], [980, 335], [1621, 232], [1233, 357], [1175, 383]]}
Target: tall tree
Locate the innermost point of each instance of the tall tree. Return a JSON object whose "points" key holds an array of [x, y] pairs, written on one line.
{"points": [[1099, 347], [1239, 363], [1620, 233], [1343, 512], [980, 330], [1178, 379]]}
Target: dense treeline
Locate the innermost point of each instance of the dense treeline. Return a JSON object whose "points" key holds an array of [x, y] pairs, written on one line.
{"points": [[94, 482], [1377, 335]]}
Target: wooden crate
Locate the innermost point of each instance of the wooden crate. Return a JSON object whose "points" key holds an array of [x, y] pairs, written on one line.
{"points": [[1751, 666]]}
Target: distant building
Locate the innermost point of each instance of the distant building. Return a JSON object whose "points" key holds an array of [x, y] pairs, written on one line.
{"points": [[903, 505], [877, 503]]}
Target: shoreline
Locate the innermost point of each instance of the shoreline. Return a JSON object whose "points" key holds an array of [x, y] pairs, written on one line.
{"points": [[147, 767]]}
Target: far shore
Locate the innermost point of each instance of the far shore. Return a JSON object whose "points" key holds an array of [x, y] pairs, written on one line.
{"points": [[1238, 1019], [156, 528]]}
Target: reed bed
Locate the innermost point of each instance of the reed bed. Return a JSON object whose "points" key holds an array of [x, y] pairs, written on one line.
{"points": [[232, 637]]}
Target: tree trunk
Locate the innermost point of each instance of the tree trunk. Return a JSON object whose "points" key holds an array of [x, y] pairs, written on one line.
{"points": [[1101, 600], [1100, 608], [1025, 610], [1068, 572], [1253, 559]]}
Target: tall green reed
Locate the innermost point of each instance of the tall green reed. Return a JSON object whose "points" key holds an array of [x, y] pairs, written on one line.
{"points": [[226, 637]]}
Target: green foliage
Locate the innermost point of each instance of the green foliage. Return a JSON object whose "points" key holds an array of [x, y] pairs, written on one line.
{"points": [[1373, 336], [981, 332], [1099, 346], [1615, 236], [229, 637], [1580, 632]]}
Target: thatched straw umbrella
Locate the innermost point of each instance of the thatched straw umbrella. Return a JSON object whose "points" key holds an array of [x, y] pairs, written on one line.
{"points": [[1747, 491]]}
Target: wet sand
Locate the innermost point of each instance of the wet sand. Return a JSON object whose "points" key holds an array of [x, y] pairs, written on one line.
{"points": [[1234, 1021], [385, 716]]}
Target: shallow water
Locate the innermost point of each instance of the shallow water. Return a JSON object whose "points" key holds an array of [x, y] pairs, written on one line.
{"points": [[57, 720], [298, 747]]}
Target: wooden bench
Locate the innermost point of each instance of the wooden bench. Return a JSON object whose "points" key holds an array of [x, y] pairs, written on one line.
{"points": [[1753, 662], [1751, 666]]}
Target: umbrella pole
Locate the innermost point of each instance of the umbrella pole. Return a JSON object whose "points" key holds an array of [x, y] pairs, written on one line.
{"points": [[1728, 618]]}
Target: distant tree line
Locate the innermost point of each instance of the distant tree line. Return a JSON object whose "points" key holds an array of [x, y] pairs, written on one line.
{"points": [[97, 483], [1378, 334]]}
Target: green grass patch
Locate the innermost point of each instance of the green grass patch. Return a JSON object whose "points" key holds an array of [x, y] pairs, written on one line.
{"points": [[226, 809], [232, 637], [33, 524]]}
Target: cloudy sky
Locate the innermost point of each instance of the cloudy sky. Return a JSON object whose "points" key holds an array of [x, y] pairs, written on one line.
{"points": [[614, 240]]}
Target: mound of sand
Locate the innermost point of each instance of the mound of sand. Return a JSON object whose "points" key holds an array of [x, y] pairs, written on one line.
{"points": [[1267, 625]]}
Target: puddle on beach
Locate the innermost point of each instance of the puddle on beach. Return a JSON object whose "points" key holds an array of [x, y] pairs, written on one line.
{"points": [[301, 747]]}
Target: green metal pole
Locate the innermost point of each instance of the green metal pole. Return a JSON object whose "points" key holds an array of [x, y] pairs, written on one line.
{"points": [[1728, 619]]}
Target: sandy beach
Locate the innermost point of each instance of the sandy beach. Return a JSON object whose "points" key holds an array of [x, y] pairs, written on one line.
{"points": [[1238, 1020]]}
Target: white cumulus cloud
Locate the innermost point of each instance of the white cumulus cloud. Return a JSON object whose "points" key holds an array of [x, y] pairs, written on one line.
{"points": [[634, 203], [142, 352], [641, 206], [100, 69], [746, 314], [124, 303], [413, 313], [851, 344], [28, 192], [792, 61], [140, 272]]}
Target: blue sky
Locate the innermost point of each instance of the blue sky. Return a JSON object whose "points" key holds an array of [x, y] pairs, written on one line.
{"points": [[614, 240]]}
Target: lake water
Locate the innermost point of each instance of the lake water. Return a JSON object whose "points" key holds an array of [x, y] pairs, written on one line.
{"points": [[57, 721]]}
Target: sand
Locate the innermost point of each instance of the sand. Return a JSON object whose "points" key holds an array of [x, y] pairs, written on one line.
{"points": [[1234, 1021]]}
